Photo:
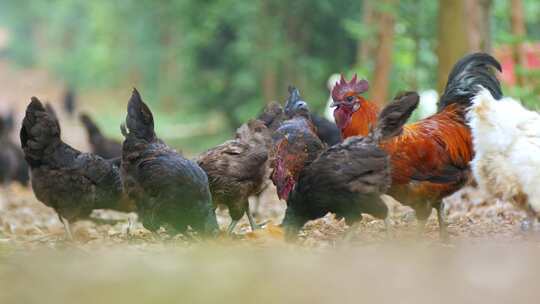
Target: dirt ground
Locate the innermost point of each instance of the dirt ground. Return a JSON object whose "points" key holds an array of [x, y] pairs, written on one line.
{"points": [[26, 223], [488, 259]]}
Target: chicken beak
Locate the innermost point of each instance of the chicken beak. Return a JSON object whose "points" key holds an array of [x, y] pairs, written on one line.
{"points": [[335, 104]]}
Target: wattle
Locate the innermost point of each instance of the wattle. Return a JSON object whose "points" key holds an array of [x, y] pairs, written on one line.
{"points": [[342, 116]]}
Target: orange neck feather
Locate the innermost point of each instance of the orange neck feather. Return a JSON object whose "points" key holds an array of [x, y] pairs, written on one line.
{"points": [[362, 120]]}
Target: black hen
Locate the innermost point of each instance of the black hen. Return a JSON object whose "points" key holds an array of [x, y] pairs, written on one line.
{"points": [[170, 191], [347, 179], [101, 145], [13, 167], [71, 182]]}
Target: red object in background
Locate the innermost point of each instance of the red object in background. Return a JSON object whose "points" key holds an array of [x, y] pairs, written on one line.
{"points": [[504, 55]]}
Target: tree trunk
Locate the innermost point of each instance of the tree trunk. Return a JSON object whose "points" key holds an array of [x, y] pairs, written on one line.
{"points": [[383, 61], [518, 31], [477, 13], [269, 84], [365, 46], [453, 37], [269, 74]]}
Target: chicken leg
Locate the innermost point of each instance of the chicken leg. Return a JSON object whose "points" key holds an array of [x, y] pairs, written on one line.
{"points": [[65, 222], [388, 226], [231, 226], [443, 226], [252, 222]]}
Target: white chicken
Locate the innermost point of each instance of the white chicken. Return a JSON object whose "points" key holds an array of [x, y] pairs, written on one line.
{"points": [[506, 139]]}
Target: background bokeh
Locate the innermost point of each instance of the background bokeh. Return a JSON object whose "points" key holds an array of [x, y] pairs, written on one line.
{"points": [[207, 66]]}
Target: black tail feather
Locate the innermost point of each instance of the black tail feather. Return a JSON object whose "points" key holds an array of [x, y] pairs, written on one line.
{"points": [[139, 121], [40, 132], [465, 79], [292, 101], [91, 127]]}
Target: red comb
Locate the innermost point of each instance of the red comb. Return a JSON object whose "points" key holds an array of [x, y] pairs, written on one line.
{"points": [[343, 87]]}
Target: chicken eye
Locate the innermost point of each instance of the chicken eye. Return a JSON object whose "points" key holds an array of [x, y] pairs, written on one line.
{"points": [[350, 98]]}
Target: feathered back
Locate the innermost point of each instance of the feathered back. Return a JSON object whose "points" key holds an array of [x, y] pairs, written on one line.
{"points": [[40, 133], [495, 124], [139, 120], [395, 115], [465, 79]]}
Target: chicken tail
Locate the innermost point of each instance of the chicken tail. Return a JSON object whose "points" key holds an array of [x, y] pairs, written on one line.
{"points": [[468, 75], [40, 133], [294, 104], [139, 120], [395, 115], [91, 128]]}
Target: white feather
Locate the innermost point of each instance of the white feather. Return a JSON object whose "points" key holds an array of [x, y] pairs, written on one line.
{"points": [[506, 139]]}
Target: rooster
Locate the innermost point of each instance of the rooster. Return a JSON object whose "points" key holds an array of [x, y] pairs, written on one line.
{"points": [[346, 179], [430, 159], [169, 190], [506, 138]]}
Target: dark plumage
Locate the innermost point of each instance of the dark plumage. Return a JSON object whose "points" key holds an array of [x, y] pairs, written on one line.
{"points": [[237, 169], [170, 191], [102, 146], [13, 167], [71, 182], [327, 131], [347, 179], [272, 115], [466, 77]]}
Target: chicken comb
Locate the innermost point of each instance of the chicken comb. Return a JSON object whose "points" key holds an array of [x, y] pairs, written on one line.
{"points": [[342, 87]]}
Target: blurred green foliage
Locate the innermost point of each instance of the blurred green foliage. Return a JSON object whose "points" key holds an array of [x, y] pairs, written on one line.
{"points": [[213, 57]]}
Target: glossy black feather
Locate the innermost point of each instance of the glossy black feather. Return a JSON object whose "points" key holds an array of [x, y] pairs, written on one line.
{"points": [[465, 79]]}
